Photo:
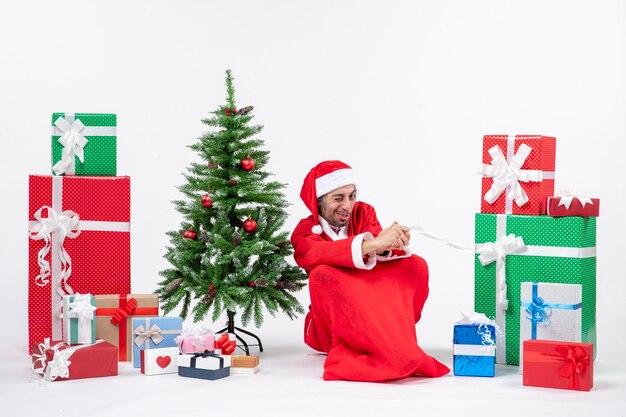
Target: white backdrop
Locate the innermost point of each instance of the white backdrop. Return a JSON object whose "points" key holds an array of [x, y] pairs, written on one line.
{"points": [[403, 91]]}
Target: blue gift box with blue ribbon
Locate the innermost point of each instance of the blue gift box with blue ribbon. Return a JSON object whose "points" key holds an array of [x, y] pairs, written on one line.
{"points": [[550, 311], [474, 349]]}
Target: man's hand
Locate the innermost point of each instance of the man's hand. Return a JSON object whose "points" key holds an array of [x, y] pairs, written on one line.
{"points": [[395, 237]]}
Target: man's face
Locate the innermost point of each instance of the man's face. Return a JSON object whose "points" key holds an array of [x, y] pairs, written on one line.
{"points": [[336, 206]]}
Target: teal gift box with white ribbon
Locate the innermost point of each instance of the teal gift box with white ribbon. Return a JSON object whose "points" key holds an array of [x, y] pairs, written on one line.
{"points": [[511, 249], [154, 332], [79, 319], [550, 311], [84, 144]]}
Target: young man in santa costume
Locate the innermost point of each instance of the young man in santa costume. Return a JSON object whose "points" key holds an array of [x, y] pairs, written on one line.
{"points": [[367, 289]]}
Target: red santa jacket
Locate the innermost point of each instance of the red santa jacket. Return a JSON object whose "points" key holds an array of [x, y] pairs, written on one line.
{"points": [[311, 250]]}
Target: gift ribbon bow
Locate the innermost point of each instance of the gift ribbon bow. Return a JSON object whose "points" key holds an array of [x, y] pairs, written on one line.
{"points": [[154, 334], [65, 224], [81, 308], [73, 143], [199, 338], [205, 354], [497, 251], [507, 175], [123, 312], [539, 312], [567, 196], [225, 343], [58, 367]]}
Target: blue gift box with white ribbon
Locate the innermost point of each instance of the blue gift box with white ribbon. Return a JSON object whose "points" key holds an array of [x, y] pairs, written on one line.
{"points": [[550, 311], [474, 349]]}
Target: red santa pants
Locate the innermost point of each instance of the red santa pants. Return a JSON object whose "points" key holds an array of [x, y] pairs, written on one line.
{"points": [[365, 321]]}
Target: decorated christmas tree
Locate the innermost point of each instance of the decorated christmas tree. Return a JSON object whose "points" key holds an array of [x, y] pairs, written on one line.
{"points": [[231, 253]]}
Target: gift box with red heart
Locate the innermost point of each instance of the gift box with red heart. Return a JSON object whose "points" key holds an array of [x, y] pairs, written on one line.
{"points": [[159, 361]]}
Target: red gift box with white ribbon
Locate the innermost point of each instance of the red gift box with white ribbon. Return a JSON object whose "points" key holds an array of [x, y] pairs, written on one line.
{"points": [[79, 243], [572, 203], [58, 361], [518, 174]]}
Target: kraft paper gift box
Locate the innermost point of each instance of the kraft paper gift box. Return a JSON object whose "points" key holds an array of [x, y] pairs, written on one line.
{"points": [[79, 243], [195, 340], [114, 318], [84, 144], [568, 204], [154, 332], [58, 361], [474, 349], [244, 364], [513, 249], [518, 173], [159, 361], [550, 312], [79, 319], [203, 366], [558, 364]]}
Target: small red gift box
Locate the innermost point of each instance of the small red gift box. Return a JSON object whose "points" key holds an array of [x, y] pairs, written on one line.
{"points": [[58, 361], [518, 174], [567, 204], [558, 364], [79, 242]]}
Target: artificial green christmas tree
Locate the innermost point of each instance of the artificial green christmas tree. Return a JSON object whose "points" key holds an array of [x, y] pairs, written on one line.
{"points": [[231, 254]]}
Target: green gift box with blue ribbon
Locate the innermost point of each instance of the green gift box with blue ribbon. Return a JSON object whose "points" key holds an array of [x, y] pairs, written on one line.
{"points": [[84, 144], [511, 249], [550, 311]]}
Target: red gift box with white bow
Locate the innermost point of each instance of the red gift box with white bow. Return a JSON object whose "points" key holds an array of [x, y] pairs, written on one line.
{"points": [[571, 203], [518, 174], [558, 364], [79, 243], [58, 361]]}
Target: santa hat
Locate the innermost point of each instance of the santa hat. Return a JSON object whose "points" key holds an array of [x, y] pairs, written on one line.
{"points": [[322, 179]]}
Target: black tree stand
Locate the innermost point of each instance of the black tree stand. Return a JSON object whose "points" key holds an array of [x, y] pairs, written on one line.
{"points": [[230, 328]]}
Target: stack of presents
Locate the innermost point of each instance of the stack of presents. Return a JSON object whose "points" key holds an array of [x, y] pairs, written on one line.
{"points": [[535, 271], [82, 316]]}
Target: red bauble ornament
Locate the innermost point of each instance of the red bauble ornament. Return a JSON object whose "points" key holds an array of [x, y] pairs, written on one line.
{"points": [[233, 182], [251, 284], [227, 111], [279, 284], [206, 201], [249, 225], [234, 111], [190, 234], [247, 164], [211, 287]]}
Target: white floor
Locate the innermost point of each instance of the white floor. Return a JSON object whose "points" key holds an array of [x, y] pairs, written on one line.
{"points": [[289, 384]]}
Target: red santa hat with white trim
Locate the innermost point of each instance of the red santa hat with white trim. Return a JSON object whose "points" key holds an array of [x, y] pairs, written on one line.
{"points": [[322, 179]]}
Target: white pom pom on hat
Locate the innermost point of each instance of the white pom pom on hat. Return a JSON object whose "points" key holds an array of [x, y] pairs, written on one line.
{"points": [[322, 179]]}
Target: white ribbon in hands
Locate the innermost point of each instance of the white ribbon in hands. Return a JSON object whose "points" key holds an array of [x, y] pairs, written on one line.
{"points": [[568, 195], [497, 251], [507, 175], [142, 335], [73, 143], [65, 224]]}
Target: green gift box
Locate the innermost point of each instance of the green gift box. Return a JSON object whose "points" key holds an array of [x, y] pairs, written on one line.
{"points": [[512, 249], [84, 144]]}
